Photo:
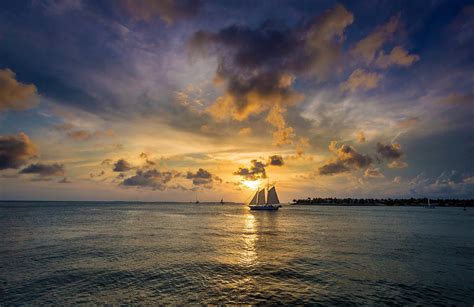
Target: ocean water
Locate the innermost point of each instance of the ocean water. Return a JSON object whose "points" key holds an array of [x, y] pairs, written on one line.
{"points": [[69, 253]]}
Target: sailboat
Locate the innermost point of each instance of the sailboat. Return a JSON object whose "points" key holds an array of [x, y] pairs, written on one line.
{"points": [[258, 201], [429, 205], [197, 201]]}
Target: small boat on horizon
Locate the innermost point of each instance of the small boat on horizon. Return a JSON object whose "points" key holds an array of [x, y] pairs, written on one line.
{"points": [[429, 205], [272, 202]]}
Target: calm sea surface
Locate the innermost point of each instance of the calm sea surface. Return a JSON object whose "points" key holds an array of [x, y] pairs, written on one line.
{"points": [[65, 253]]}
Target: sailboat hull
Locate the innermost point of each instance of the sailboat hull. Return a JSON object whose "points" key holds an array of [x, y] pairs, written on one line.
{"points": [[265, 207]]}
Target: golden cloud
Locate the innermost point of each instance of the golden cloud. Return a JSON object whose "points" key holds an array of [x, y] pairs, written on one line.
{"points": [[367, 48], [361, 79], [398, 56], [15, 95], [167, 10]]}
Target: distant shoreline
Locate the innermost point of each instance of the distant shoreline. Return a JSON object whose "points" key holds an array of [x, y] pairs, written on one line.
{"points": [[409, 202], [377, 205]]}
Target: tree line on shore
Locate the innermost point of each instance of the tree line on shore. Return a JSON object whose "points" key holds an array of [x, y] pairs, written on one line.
{"points": [[385, 202]]}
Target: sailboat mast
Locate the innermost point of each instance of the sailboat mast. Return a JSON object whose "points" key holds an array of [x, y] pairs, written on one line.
{"points": [[268, 188]]}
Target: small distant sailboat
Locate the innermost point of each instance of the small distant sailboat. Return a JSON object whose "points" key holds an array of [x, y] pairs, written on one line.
{"points": [[429, 205], [258, 201], [197, 201]]}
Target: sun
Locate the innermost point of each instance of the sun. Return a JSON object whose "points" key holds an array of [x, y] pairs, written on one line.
{"points": [[251, 184]]}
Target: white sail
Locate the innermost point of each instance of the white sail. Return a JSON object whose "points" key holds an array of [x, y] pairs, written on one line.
{"points": [[261, 197], [254, 199], [272, 198]]}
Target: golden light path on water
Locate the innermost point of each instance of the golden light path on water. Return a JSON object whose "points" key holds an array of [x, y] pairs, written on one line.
{"points": [[249, 236]]}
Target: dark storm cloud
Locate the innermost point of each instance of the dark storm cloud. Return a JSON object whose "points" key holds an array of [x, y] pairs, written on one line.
{"points": [[15, 150], [44, 170], [275, 160], [259, 65], [312, 47], [153, 179], [389, 151], [168, 10], [347, 159], [254, 172], [122, 166]]}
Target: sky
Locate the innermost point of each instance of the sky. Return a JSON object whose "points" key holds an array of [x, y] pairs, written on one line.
{"points": [[177, 100]]}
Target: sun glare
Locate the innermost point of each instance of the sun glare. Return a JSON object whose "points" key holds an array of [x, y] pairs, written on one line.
{"points": [[251, 184]]}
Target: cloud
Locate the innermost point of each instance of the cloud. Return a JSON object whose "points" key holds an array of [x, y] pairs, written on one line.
{"points": [[333, 168], [15, 150], [146, 158], [154, 179], [347, 159], [245, 131], [409, 122], [301, 146], [367, 48], [448, 184], [283, 135], [361, 137], [258, 66], [373, 173], [253, 95], [254, 172], [349, 155], [202, 178], [168, 10], [389, 151], [312, 48], [44, 170], [15, 95], [275, 160], [462, 26], [78, 134], [100, 174], [398, 56], [361, 79], [122, 166], [456, 98], [58, 7], [392, 153], [397, 164], [106, 162]]}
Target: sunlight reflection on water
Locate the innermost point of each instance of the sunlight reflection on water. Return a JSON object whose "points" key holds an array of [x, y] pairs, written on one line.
{"points": [[249, 252]]}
